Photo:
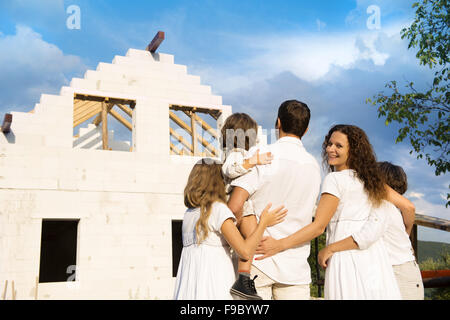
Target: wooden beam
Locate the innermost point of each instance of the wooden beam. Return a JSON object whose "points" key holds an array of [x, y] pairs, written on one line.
{"points": [[180, 122], [212, 112], [4, 291], [208, 146], [125, 109], [36, 289], [87, 115], [182, 140], [426, 274], [155, 43], [98, 120], [175, 149], [441, 282], [184, 126], [13, 290], [104, 121], [83, 110], [105, 125], [77, 104], [204, 124], [119, 118], [7, 121], [86, 97], [432, 222], [194, 133]]}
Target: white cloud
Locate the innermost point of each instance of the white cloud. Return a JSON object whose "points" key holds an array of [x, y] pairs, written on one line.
{"points": [[309, 56], [31, 66], [414, 195]]}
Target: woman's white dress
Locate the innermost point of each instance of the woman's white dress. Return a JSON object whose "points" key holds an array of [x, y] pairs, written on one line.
{"points": [[355, 274], [206, 270]]}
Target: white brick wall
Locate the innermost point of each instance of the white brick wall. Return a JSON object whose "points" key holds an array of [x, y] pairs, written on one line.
{"points": [[125, 201]]}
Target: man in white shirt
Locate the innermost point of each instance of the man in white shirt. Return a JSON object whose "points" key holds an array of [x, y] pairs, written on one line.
{"points": [[293, 180]]}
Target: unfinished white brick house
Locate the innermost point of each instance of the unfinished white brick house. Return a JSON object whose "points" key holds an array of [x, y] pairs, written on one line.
{"points": [[75, 198]]}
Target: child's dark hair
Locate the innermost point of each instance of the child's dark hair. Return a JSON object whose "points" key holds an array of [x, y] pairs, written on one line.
{"points": [[394, 176], [239, 131]]}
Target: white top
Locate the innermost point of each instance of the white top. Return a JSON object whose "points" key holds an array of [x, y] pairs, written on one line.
{"points": [[219, 213], [232, 167], [355, 274], [206, 270], [387, 222], [293, 180]]}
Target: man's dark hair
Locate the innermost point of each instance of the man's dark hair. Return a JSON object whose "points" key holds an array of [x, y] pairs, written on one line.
{"points": [[394, 176], [294, 117]]}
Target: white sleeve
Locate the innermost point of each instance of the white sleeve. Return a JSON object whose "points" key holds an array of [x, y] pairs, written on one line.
{"points": [[232, 167], [220, 213], [373, 229], [249, 182], [331, 185]]}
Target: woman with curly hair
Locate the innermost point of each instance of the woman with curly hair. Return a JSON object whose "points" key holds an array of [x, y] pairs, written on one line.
{"points": [[349, 192]]}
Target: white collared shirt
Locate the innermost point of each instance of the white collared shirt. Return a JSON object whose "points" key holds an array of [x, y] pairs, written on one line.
{"points": [[293, 180]]}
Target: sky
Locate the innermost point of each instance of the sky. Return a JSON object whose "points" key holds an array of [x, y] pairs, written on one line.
{"points": [[332, 55]]}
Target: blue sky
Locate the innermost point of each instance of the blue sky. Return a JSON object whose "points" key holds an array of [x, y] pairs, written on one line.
{"points": [[255, 54]]}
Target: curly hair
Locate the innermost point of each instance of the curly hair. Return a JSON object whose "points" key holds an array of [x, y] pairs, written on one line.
{"points": [[205, 186], [362, 159]]}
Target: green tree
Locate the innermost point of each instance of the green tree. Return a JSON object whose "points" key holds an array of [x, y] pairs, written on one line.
{"points": [[317, 272], [424, 116]]}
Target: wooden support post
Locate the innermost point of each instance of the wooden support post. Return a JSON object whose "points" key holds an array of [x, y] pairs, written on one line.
{"points": [[4, 291], [36, 289], [7, 121], [105, 125], [157, 40], [413, 238], [194, 134], [13, 291]]}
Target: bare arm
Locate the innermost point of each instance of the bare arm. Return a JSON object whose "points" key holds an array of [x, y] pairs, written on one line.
{"points": [[346, 244], [325, 210], [245, 248], [405, 206], [236, 201]]}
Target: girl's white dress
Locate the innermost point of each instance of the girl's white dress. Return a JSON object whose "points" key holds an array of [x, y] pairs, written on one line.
{"points": [[355, 274], [206, 270]]}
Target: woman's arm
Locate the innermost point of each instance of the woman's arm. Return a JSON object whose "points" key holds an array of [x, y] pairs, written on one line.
{"points": [[245, 248], [373, 229], [404, 205], [346, 244], [325, 210]]}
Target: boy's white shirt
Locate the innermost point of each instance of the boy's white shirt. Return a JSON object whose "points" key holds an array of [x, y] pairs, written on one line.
{"points": [[233, 165], [233, 168]]}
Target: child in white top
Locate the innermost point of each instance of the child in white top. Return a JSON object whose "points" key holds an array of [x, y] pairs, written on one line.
{"points": [[209, 232], [239, 135], [387, 222]]}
